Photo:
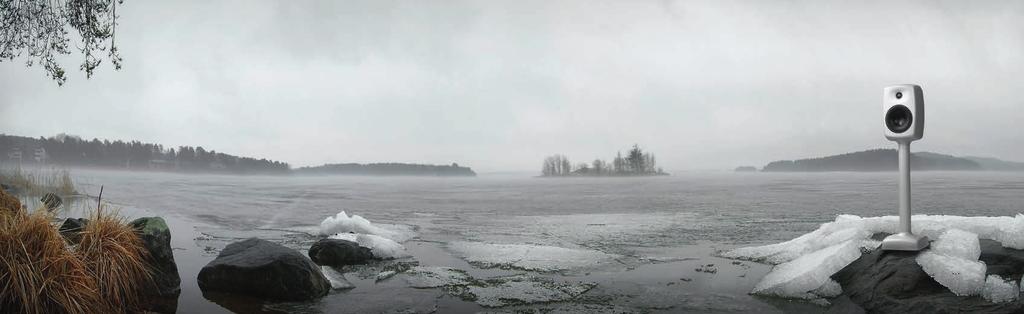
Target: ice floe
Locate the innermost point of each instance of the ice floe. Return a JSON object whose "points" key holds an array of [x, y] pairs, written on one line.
{"points": [[530, 257], [435, 277], [998, 290], [520, 289], [805, 264]]}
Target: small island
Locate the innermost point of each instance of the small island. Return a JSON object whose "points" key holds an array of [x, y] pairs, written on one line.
{"points": [[887, 160], [746, 169], [388, 169], [636, 163]]}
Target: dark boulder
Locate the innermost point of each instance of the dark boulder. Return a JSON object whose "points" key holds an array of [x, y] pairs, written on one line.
{"points": [[156, 237], [337, 253], [71, 228], [892, 282], [264, 269]]}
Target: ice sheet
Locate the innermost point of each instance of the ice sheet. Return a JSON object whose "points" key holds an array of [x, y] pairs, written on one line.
{"points": [[434, 277], [998, 290], [515, 290], [530, 257], [799, 277]]}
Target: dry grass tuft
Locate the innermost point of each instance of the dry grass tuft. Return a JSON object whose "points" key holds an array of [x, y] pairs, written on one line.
{"points": [[115, 256], [38, 273], [9, 203]]}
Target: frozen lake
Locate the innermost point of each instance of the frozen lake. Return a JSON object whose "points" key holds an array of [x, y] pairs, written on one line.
{"points": [[566, 244]]}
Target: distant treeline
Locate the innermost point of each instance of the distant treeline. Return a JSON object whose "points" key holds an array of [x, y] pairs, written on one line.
{"points": [[71, 150], [636, 163], [388, 169], [877, 160]]}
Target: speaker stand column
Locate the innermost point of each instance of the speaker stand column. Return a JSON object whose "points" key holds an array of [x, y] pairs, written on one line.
{"points": [[905, 240]]}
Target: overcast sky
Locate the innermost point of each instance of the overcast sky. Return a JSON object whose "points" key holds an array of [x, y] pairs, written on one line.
{"points": [[498, 85]]}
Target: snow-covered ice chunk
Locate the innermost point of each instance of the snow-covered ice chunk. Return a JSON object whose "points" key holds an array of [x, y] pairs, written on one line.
{"points": [[797, 278], [343, 223], [433, 277], [828, 234], [380, 246], [998, 290], [529, 257], [952, 261], [962, 276], [336, 278], [958, 243], [1006, 230]]}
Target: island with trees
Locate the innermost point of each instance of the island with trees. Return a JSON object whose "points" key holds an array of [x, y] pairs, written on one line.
{"points": [[635, 163], [887, 160]]}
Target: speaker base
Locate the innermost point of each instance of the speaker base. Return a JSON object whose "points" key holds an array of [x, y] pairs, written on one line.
{"points": [[904, 242]]}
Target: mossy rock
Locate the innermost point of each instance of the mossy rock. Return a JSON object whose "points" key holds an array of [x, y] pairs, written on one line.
{"points": [[156, 237]]}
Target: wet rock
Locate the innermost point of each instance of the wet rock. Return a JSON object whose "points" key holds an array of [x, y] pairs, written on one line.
{"points": [[264, 269], [893, 282], [156, 237], [71, 228], [337, 253]]}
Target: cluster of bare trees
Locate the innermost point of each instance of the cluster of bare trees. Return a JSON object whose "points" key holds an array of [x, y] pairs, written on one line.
{"points": [[635, 163]]}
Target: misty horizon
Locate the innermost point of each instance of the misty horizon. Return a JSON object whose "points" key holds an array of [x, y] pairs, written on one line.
{"points": [[706, 85]]}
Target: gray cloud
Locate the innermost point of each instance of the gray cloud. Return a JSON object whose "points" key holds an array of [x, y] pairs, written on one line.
{"points": [[498, 85]]}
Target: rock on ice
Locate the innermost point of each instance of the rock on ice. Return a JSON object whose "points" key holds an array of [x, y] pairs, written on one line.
{"points": [[343, 223], [380, 246]]}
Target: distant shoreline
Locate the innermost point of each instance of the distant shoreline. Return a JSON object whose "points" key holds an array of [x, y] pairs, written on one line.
{"points": [[882, 160]]}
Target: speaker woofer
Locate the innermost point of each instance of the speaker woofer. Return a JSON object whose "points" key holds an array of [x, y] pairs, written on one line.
{"points": [[898, 119]]}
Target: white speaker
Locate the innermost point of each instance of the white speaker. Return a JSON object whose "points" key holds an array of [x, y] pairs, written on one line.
{"points": [[903, 112], [903, 119]]}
